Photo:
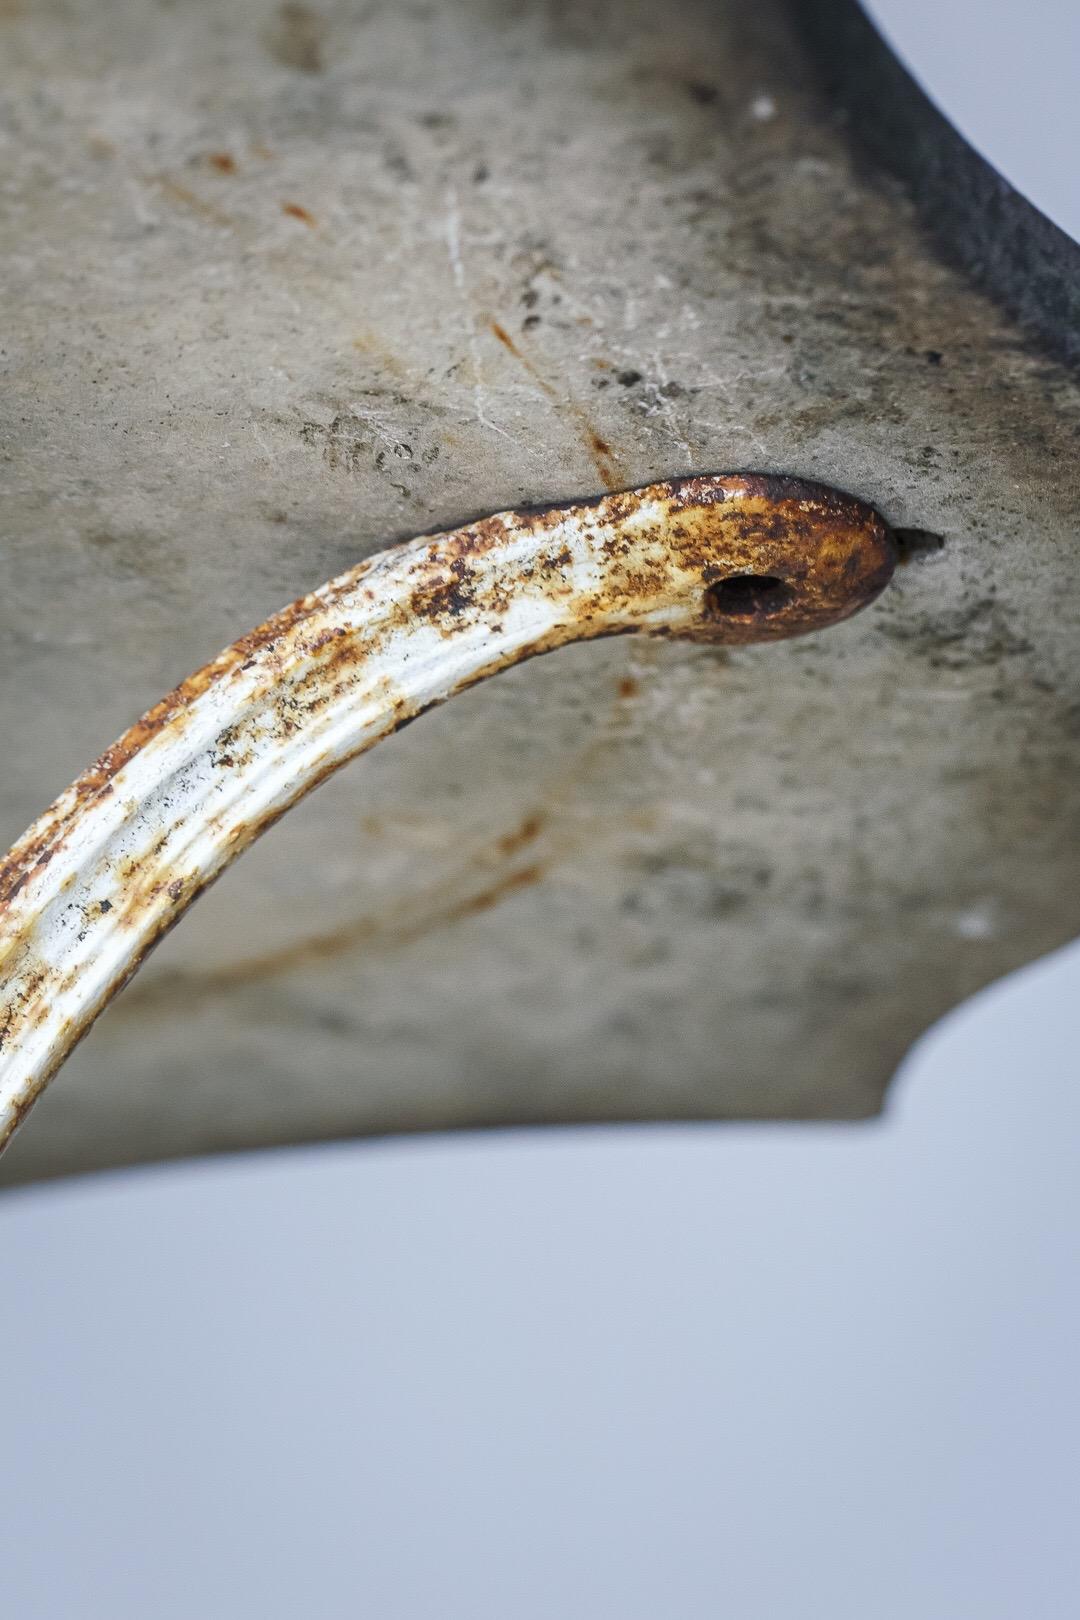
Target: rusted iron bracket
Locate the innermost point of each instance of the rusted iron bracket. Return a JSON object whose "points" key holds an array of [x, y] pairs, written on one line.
{"points": [[119, 857]]}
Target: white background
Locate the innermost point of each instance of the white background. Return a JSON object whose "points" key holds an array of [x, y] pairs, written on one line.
{"points": [[1007, 74]]}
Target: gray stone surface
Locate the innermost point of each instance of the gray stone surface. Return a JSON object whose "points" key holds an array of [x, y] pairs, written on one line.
{"points": [[260, 264]]}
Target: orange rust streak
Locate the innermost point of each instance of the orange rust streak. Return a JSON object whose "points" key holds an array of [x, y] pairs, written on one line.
{"points": [[188, 199], [368, 343], [295, 211], [337, 942], [538, 377], [507, 341], [603, 457], [527, 833], [498, 891]]}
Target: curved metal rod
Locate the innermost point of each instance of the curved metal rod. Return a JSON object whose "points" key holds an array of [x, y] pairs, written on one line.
{"points": [[118, 858]]}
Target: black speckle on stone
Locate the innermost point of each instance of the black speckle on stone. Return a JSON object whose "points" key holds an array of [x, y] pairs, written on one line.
{"points": [[629, 379]]}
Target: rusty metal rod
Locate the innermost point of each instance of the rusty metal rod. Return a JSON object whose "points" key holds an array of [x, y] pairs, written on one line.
{"points": [[118, 858]]}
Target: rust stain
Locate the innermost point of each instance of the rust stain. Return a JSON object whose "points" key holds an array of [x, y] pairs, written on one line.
{"points": [[523, 879], [508, 343], [295, 211], [448, 594], [223, 162], [604, 458], [601, 453], [431, 914], [628, 688], [370, 344], [529, 831], [187, 198]]}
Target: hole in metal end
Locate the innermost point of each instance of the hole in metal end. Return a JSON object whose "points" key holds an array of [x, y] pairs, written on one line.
{"points": [[746, 596]]}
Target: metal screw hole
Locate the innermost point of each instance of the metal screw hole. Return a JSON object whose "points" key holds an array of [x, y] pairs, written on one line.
{"points": [[746, 596]]}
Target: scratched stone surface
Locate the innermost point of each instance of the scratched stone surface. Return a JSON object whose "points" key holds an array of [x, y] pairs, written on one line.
{"points": [[285, 283]]}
